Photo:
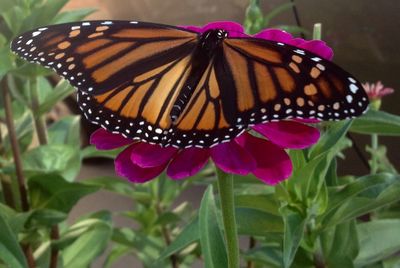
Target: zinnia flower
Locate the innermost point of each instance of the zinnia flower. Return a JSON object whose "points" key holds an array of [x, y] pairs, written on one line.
{"points": [[266, 158], [377, 91]]}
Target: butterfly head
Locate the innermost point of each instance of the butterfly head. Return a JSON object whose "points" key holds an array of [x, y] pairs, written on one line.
{"points": [[212, 38]]}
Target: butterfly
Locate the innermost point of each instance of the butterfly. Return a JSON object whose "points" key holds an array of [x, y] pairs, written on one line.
{"points": [[176, 87]]}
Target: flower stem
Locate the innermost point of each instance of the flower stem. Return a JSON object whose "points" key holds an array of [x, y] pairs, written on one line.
{"points": [[374, 148], [225, 189], [18, 162]]}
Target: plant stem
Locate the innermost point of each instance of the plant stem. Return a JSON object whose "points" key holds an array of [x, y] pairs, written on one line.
{"points": [[18, 163], [40, 124], [225, 190], [167, 238], [374, 148], [5, 181], [15, 146], [41, 132]]}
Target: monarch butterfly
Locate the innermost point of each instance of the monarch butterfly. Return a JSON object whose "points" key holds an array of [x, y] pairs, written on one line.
{"points": [[172, 86]]}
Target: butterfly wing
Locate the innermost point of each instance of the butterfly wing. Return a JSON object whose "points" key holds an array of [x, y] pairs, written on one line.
{"points": [[127, 73], [270, 81]]}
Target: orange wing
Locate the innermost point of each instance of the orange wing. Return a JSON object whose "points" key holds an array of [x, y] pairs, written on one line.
{"points": [[268, 81]]}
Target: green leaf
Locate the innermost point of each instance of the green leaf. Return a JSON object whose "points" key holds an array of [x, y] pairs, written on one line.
{"points": [[91, 151], [53, 192], [351, 208], [66, 131], [88, 246], [42, 14], [294, 230], [115, 254], [59, 93], [340, 245], [211, 239], [113, 184], [332, 135], [267, 256], [73, 15], [377, 122], [257, 222], [187, 236], [13, 18], [378, 239], [61, 159], [10, 251], [46, 217], [6, 63], [265, 203]]}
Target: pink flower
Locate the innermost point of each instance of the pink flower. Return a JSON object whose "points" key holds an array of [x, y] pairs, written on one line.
{"points": [[377, 91], [265, 158]]}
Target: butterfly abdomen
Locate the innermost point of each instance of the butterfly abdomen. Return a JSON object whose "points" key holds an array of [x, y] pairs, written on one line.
{"points": [[201, 58]]}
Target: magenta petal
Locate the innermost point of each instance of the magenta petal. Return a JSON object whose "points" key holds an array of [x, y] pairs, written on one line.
{"points": [[232, 158], [147, 155], [318, 47], [191, 28], [125, 168], [273, 163], [233, 28], [289, 134], [275, 35], [187, 163], [104, 140]]}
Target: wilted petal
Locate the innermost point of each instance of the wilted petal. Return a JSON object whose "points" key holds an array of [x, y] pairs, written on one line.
{"points": [[232, 158], [187, 163], [273, 163], [125, 168], [104, 140], [150, 155], [289, 134]]}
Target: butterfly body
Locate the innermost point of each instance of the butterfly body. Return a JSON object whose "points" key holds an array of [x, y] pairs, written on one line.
{"points": [[208, 45], [176, 87]]}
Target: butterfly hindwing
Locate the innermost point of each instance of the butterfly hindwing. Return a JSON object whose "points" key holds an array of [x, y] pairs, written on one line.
{"points": [[275, 81]]}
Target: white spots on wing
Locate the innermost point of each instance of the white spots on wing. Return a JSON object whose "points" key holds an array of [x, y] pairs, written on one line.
{"points": [[353, 88], [107, 23], [299, 51], [352, 80], [349, 98], [86, 23], [316, 59], [29, 42]]}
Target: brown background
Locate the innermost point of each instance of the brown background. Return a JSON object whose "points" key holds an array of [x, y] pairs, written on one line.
{"points": [[363, 33]]}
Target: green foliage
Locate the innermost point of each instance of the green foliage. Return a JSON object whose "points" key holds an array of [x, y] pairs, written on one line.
{"points": [[211, 238]]}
